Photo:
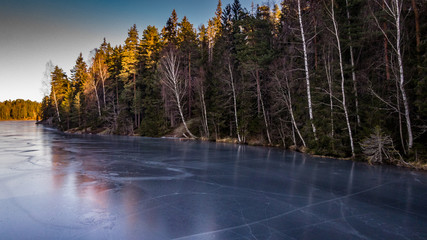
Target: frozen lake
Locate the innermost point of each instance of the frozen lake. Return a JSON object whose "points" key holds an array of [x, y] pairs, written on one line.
{"points": [[58, 186]]}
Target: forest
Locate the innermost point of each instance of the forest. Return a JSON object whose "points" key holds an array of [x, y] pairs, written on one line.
{"points": [[342, 78], [19, 110]]}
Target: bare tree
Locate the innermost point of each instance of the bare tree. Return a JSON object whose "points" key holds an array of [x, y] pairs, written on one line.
{"points": [[379, 148], [169, 68], [328, 71], [233, 88], [101, 69], [285, 92], [264, 114], [47, 84], [307, 74], [393, 8], [200, 87], [93, 81], [336, 33], [56, 102]]}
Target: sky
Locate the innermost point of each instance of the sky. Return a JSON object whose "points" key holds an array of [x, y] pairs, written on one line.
{"points": [[34, 32]]}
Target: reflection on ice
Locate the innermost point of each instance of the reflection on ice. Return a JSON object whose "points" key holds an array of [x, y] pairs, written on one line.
{"points": [[58, 186]]}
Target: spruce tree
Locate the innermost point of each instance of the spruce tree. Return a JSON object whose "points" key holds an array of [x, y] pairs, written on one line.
{"points": [[153, 121], [128, 73]]}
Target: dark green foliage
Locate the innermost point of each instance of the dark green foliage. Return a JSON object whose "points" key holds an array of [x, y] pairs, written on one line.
{"points": [[170, 31], [243, 74]]}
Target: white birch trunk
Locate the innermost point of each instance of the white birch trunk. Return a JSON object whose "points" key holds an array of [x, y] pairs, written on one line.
{"points": [[178, 101], [288, 102], [97, 97], [56, 104], [395, 9], [331, 102], [307, 74], [170, 67], [397, 16], [342, 79], [262, 106], [234, 102], [206, 115], [103, 74], [94, 84], [204, 111], [291, 111]]}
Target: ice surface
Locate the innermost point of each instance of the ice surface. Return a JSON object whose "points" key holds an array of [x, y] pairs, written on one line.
{"points": [[59, 186]]}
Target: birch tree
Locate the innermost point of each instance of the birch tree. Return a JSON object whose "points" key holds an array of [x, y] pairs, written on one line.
{"points": [[328, 72], [284, 90], [344, 105], [353, 72], [393, 9], [201, 90], [171, 79], [101, 69], [307, 73], [233, 89], [93, 84]]}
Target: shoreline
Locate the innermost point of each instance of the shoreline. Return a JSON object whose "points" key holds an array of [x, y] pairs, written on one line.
{"points": [[19, 120], [105, 132]]}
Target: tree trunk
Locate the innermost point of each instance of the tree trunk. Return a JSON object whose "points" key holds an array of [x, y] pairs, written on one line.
{"points": [[331, 102], [288, 102], [386, 59], [400, 117], [282, 133], [117, 92], [134, 101], [170, 69], [291, 111], [201, 92], [182, 115], [262, 106], [315, 44], [234, 102], [307, 74], [56, 104], [102, 73], [189, 86], [342, 79], [417, 25], [205, 114], [97, 97], [353, 72], [103, 92], [398, 10]]}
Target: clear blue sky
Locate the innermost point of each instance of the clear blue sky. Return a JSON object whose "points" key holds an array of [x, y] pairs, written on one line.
{"points": [[33, 32]]}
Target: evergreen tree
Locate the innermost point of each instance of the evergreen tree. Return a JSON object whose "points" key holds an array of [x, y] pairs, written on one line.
{"points": [[170, 31], [60, 92], [153, 121], [79, 77], [129, 70]]}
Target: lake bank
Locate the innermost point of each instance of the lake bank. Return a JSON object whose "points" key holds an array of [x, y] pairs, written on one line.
{"points": [[179, 135]]}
